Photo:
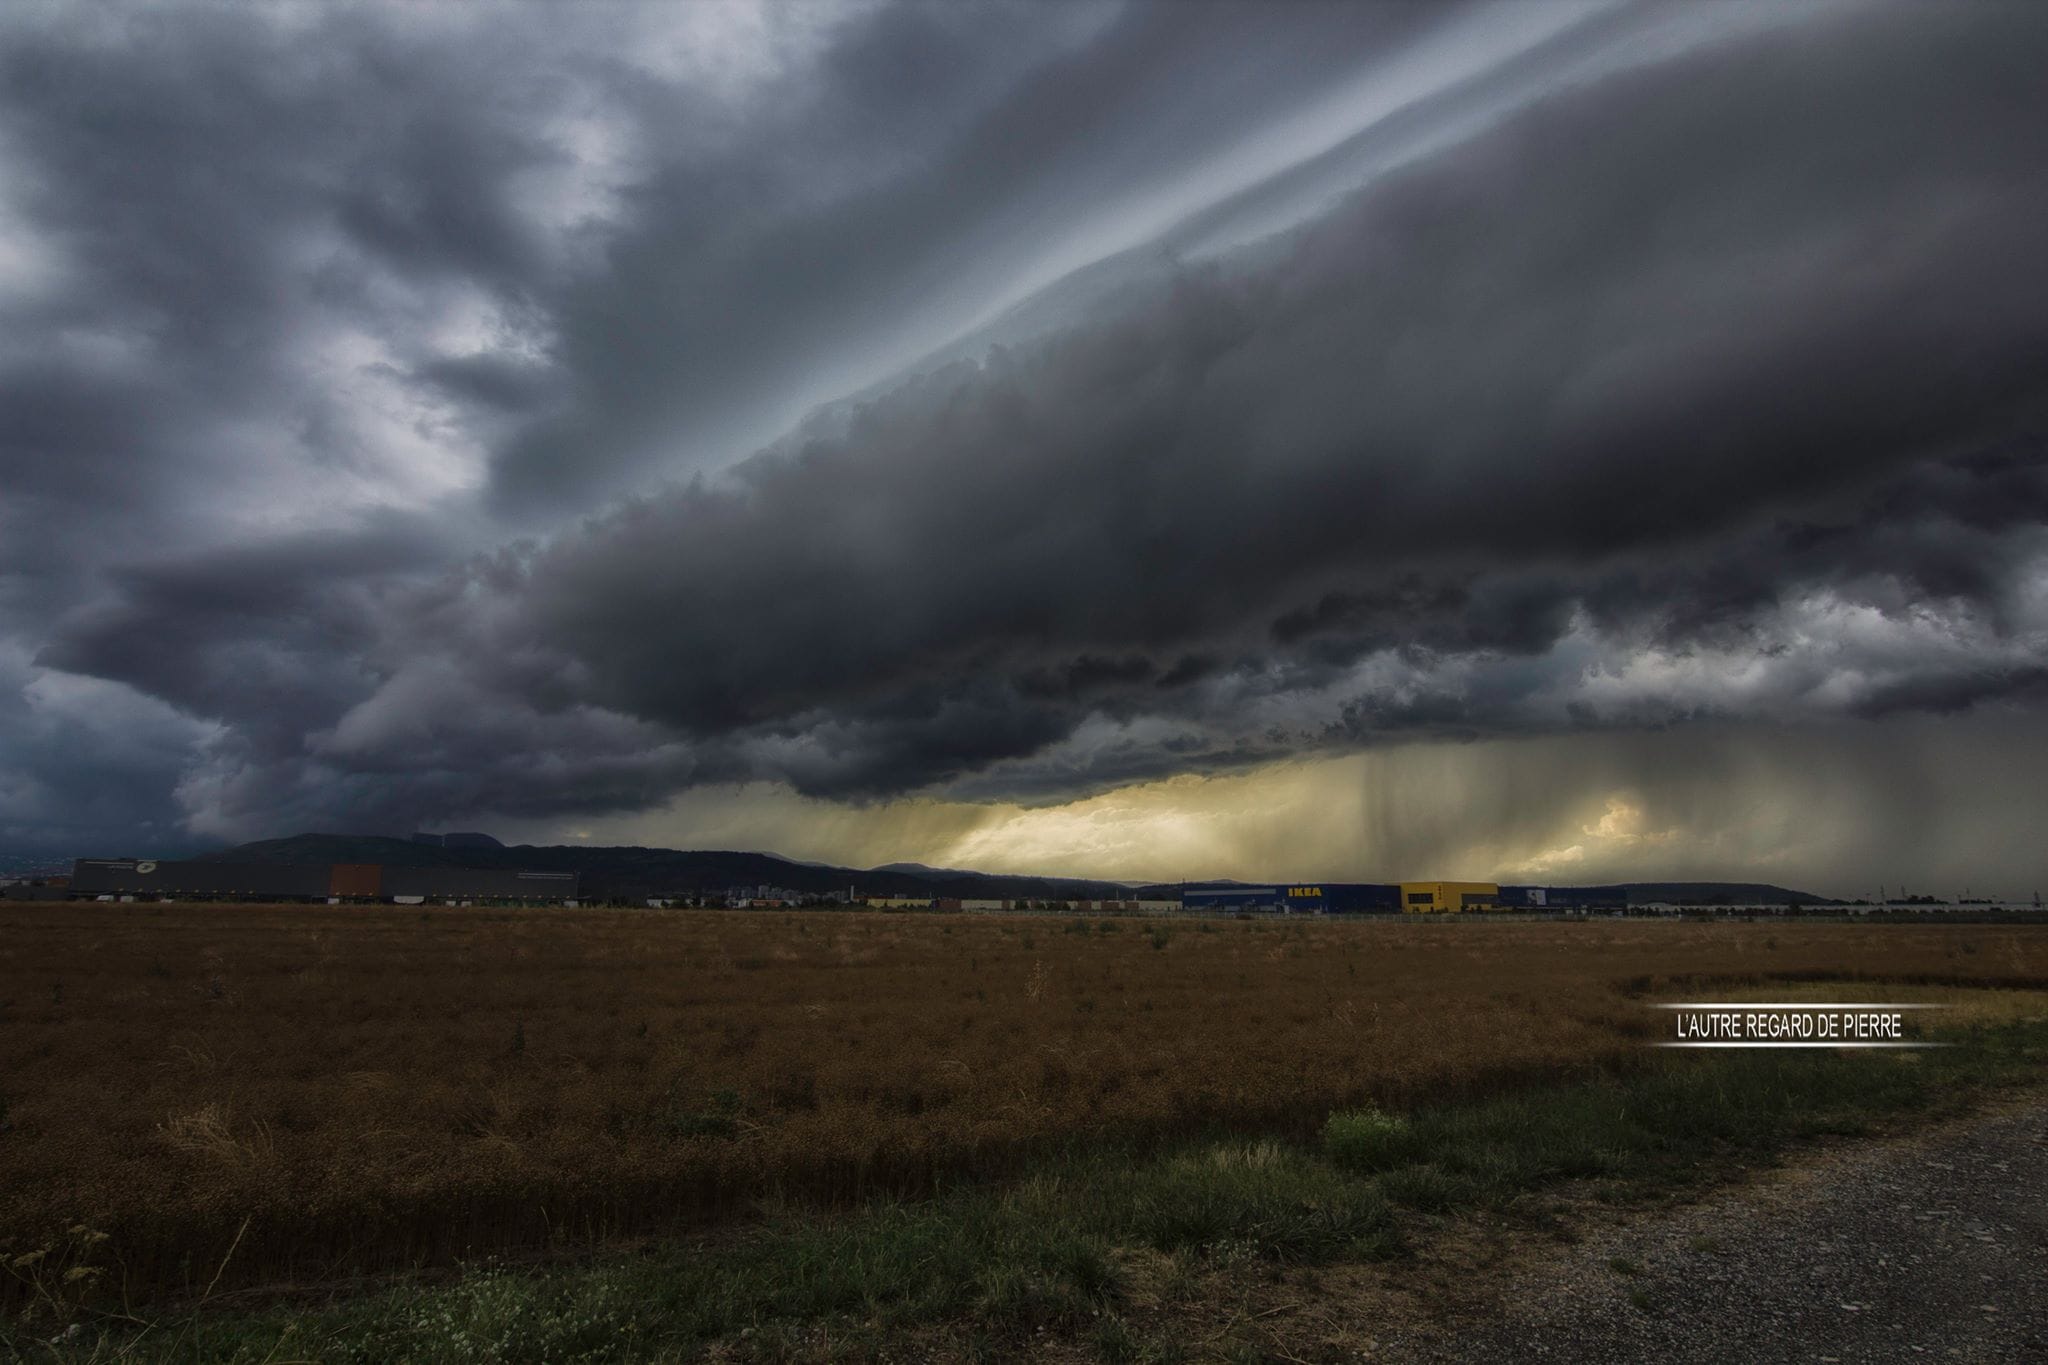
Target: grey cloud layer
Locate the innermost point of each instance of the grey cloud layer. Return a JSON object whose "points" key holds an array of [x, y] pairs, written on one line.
{"points": [[1590, 375], [1710, 387]]}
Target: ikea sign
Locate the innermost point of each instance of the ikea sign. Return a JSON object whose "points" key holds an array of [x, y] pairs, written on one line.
{"points": [[1305, 892]]}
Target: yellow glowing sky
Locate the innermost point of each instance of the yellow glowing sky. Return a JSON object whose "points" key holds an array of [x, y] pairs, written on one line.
{"points": [[1822, 808]]}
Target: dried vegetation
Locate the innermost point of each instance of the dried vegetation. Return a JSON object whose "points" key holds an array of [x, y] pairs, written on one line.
{"points": [[329, 1091]]}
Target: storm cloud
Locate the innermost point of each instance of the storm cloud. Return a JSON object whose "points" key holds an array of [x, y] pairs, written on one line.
{"points": [[415, 417]]}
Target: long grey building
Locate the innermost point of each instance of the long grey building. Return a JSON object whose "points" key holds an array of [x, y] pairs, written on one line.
{"points": [[150, 877]]}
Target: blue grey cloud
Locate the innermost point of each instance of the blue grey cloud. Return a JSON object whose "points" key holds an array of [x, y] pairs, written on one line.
{"points": [[424, 414]]}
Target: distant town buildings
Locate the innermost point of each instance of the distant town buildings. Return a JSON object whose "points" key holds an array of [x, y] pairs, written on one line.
{"points": [[353, 883]]}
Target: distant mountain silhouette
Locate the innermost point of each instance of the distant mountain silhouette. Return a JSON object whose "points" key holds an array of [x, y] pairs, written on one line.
{"points": [[940, 874], [457, 839], [922, 870], [1625, 893], [1717, 893], [632, 873]]}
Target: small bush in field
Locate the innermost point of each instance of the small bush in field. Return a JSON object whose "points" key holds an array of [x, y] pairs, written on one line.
{"points": [[1429, 1189], [1369, 1139], [719, 1119]]}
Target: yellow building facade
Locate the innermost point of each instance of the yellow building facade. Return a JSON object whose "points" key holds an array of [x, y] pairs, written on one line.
{"points": [[1448, 898]]}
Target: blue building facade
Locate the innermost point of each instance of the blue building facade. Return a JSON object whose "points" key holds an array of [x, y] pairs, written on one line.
{"points": [[1302, 898]]}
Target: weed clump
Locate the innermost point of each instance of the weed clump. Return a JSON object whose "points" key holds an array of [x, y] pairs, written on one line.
{"points": [[1369, 1139], [720, 1118]]}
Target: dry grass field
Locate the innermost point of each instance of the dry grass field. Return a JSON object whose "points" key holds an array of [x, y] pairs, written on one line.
{"points": [[329, 1090]]}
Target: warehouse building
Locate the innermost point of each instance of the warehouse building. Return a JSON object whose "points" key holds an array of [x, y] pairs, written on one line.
{"points": [[1565, 897], [1311, 898], [1360, 898], [36, 889], [173, 880], [1229, 898], [1448, 898]]}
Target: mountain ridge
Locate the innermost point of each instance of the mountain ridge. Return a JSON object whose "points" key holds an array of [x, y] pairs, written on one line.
{"points": [[631, 871]]}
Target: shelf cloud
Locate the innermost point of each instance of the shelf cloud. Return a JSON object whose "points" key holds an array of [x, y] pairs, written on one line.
{"points": [[570, 416]]}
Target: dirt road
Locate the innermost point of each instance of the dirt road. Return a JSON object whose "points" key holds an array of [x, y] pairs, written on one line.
{"points": [[1933, 1247]]}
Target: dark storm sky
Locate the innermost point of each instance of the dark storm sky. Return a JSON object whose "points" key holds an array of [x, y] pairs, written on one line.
{"points": [[897, 429]]}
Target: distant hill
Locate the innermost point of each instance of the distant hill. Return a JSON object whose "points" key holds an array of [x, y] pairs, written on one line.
{"points": [[939, 874], [633, 873], [921, 870], [1627, 893], [1717, 893], [1166, 891], [457, 839]]}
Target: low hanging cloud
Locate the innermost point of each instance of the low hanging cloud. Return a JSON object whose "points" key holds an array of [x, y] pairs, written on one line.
{"points": [[1705, 387], [1587, 421]]}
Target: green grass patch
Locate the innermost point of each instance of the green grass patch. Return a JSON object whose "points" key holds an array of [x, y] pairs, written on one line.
{"points": [[1264, 1199], [999, 1263], [1370, 1139], [1668, 1123]]}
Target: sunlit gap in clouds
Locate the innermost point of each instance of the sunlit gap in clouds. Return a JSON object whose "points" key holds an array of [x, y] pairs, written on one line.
{"points": [[1812, 805], [1165, 441]]}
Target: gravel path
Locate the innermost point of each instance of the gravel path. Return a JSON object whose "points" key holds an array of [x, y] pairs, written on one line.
{"points": [[1933, 1247]]}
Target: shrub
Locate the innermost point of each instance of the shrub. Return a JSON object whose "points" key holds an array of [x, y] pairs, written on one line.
{"points": [[1266, 1198], [721, 1119], [1370, 1139], [1429, 1189]]}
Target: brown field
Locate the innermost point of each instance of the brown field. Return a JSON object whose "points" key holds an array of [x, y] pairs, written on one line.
{"points": [[364, 1088]]}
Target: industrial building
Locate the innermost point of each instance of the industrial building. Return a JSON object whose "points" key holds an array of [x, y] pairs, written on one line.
{"points": [[344, 883], [1318, 898], [36, 889], [1448, 898], [204, 880], [1226, 898], [1350, 898]]}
